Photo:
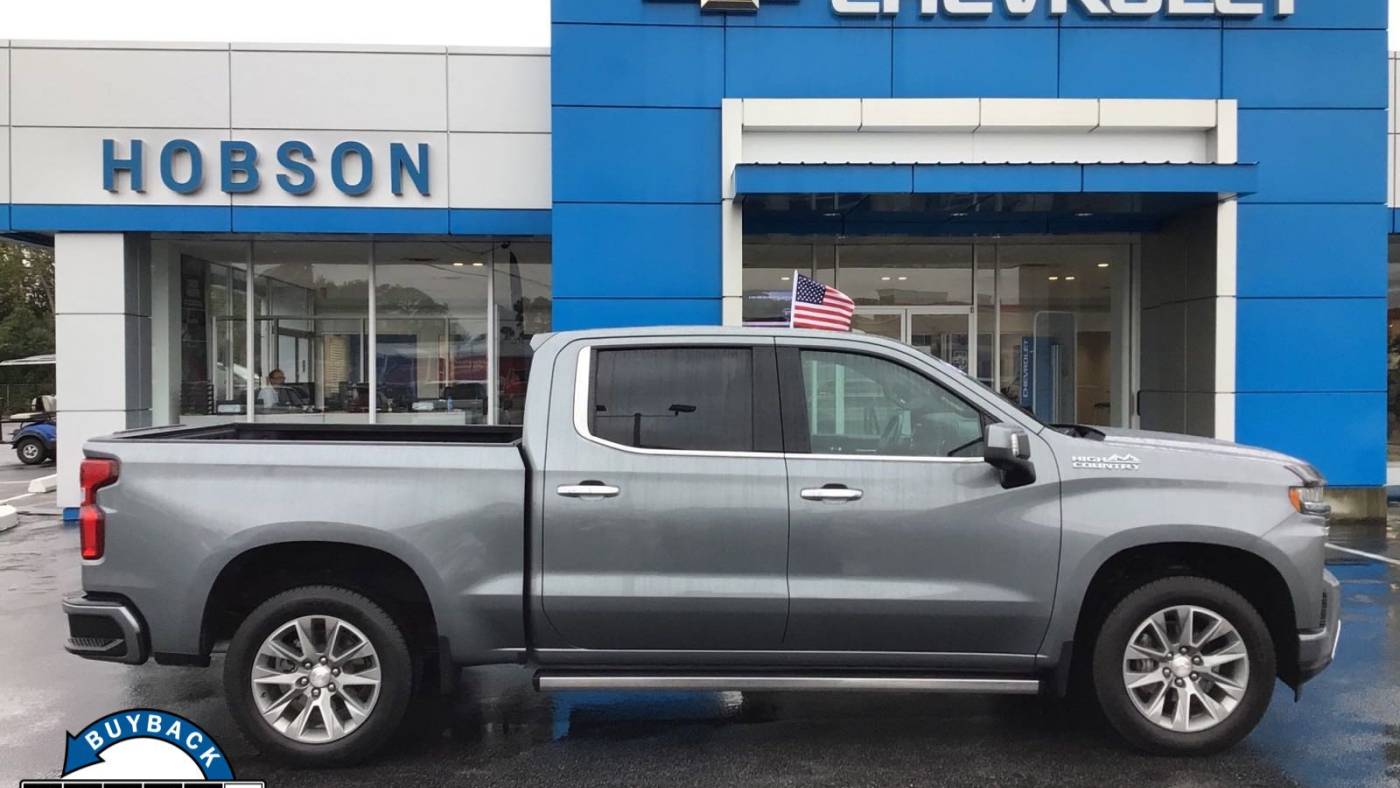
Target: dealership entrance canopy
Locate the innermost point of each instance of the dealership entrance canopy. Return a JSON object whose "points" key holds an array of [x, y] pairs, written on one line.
{"points": [[1167, 214]]}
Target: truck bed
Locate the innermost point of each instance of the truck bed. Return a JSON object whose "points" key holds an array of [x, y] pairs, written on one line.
{"points": [[332, 433]]}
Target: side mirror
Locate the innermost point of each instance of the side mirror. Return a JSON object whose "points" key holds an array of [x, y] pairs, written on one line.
{"points": [[1008, 449]]}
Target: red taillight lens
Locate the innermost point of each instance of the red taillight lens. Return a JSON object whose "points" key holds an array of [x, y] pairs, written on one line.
{"points": [[94, 474]]}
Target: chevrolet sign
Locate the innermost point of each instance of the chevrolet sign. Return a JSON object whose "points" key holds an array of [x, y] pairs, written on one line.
{"points": [[1104, 8]]}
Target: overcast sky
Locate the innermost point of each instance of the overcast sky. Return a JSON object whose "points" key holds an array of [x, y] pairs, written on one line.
{"points": [[456, 22]]}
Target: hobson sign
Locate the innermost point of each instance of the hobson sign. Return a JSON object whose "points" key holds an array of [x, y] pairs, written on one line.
{"points": [[295, 167]]}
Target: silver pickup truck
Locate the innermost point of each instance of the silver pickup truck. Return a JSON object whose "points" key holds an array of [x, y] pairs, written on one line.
{"points": [[711, 509]]}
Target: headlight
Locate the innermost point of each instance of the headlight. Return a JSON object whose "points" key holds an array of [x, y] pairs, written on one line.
{"points": [[1310, 500]]}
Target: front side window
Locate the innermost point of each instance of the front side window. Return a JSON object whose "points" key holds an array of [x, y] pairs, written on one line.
{"points": [[858, 404], [690, 399]]}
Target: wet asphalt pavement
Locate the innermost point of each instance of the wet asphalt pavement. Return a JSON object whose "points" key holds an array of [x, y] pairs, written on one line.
{"points": [[498, 731]]}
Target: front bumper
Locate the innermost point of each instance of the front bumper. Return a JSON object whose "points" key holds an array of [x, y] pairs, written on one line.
{"points": [[105, 628], [1317, 647]]}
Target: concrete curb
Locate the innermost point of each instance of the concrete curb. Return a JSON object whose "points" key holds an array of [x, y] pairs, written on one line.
{"points": [[9, 518], [44, 484]]}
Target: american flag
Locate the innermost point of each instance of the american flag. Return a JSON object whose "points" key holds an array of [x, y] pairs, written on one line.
{"points": [[814, 305]]}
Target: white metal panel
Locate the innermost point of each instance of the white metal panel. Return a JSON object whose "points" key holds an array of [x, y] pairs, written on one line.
{"points": [[854, 148], [1044, 114], [4, 164], [121, 87], [1392, 161], [337, 90], [1108, 147], [801, 114], [499, 93], [1134, 114], [1226, 137], [501, 171], [920, 114], [325, 194], [64, 166], [4, 86]]}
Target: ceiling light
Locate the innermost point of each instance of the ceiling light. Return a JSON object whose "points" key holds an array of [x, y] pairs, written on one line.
{"points": [[458, 264], [1103, 265], [904, 279], [785, 278], [1069, 279], [884, 279], [1083, 214], [478, 264], [1054, 278], [960, 215]]}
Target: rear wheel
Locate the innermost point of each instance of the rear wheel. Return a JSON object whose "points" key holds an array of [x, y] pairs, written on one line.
{"points": [[319, 676], [32, 451], [1184, 665]]}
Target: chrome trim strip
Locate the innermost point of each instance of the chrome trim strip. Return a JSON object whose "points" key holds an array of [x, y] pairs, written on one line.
{"points": [[583, 370], [744, 683]]}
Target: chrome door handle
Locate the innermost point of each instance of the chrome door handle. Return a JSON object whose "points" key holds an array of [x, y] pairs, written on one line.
{"points": [[588, 491], [832, 494]]}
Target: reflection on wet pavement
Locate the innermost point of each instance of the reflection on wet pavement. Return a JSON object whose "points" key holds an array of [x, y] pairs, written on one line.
{"points": [[497, 731]]}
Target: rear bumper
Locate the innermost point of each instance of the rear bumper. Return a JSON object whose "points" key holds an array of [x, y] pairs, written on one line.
{"points": [[1317, 647], [105, 629]]}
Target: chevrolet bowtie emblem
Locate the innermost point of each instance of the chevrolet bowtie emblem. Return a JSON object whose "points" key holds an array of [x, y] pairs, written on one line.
{"points": [[728, 5]]}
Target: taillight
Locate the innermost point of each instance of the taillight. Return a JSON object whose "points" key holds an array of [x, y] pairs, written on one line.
{"points": [[94, 474]]}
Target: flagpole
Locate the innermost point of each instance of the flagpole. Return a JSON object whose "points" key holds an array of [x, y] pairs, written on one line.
{"points": [[792, 304]]}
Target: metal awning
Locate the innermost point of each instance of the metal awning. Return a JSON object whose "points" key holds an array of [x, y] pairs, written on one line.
{"points": [[42, 360], [1221, 179]]}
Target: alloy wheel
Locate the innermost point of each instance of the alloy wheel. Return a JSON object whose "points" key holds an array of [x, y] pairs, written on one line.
{"points": [[316, 679], [1186, 668]]}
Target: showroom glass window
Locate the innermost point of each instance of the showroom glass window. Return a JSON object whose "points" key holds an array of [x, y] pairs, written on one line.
{"points": [[205, 285]]}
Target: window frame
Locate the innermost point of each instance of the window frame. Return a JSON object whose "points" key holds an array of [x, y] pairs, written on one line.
{"points": [[766, 389], [796, 431]]}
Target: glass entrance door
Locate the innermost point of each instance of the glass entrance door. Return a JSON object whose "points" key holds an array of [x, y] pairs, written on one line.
{"points": [[941, 331]]}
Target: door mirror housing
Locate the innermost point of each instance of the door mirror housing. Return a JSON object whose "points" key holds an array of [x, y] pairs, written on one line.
{"points": [[1008, 449]]}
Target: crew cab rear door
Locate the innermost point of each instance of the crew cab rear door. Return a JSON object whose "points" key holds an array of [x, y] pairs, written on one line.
{"points": [[903, 539], [665, 511]]}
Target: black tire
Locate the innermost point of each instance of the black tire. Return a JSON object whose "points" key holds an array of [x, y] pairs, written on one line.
{"points": [[395, 664], [32, 451], [1108, 664]]}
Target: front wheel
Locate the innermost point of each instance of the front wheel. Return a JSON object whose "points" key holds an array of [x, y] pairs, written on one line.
{"points": [[31, 451], [1184, 666], [318, 676]]}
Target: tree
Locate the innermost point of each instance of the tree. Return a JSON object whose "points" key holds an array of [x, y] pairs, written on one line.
{"points": [[26, 309]]}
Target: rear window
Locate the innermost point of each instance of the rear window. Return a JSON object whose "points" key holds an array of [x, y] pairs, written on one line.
{"points": [[693, 399]]}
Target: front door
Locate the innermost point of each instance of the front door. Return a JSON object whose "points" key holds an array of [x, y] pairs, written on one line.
{"points": [[941, 331], [903, 539], [664, 492]]}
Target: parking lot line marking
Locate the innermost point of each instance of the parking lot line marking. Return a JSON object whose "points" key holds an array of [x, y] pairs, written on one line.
{"points": [[17, 497], [1347, 550]]}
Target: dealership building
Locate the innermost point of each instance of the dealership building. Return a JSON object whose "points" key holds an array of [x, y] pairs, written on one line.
{"points": [[1167, 214]]}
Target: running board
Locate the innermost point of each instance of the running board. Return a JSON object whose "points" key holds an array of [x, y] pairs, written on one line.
{"points": [[753, 682]]}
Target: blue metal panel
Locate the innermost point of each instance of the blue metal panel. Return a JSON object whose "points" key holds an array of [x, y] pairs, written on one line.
{"points": [[637, 251], [1151, 62], [1342, 434], [807, 62], [308, 219], [1312, 250], [576, 313], [989, 178], [1345, 14], [633, 12], [799, 13], [1077, 17], [911, 15], [5, 217], [476, 221], [976, 63], [618, 65], [1335, 155], [636, 155], [824, 179], [1171, 178], [1395, 220], [1311, 344], [121, 218], [1280, 68]]}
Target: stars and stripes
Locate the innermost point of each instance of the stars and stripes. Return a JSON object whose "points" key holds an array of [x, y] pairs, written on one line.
{"points": [[815, 305]]}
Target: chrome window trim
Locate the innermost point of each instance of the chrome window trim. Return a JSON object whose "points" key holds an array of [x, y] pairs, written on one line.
{"points": [[583, 371]]}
